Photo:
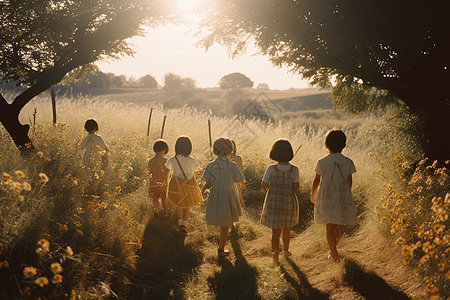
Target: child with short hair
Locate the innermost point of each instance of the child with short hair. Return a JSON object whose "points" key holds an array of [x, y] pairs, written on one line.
{"points": [[158, 177], [183, 192], [280, 211], [96, 154], [331, 190], [223, 207]]}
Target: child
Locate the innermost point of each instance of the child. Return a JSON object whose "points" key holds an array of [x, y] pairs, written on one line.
{"points": [[159, 177], [94, 145], [280, 211], [331, 190], [223, 207], [238, 161], [183, 190]]}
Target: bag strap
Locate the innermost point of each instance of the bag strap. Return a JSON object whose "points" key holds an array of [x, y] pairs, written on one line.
{"points": [[181, 168]]}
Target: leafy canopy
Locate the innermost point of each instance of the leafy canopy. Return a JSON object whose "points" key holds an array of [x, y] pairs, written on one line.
{"points": [[43, 40], [377, 51]]}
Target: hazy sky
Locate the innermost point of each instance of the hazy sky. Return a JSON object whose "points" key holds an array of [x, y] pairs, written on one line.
{"points": [[171, 49]]}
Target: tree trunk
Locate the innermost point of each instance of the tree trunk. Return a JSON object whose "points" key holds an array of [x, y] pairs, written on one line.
{"points": [[9, 117], [436, 130]]}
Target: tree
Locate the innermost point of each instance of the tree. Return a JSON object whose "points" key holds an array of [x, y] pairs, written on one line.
{"points": [[149, 81], [44, 41], [174, 82], [235, 81], [380, 53]]}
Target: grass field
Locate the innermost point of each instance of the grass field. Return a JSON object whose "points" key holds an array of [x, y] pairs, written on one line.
{"points": [[66, 235]]}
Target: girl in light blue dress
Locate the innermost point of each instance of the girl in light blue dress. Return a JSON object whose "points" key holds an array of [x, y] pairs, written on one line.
{"points": [[223, 206]]}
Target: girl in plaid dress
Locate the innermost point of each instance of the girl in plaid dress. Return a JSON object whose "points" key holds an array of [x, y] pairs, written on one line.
{"points": [[158, 177], [280, 211]]}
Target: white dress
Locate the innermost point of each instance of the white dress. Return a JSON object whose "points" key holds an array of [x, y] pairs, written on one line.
{"points": [[93, 144], [334, 200], [223, 206]]}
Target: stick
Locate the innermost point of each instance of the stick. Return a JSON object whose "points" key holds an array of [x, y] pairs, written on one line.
{"points": [[210, 140], [298, 149], [54, 107], [162, 129], [149, 120]]}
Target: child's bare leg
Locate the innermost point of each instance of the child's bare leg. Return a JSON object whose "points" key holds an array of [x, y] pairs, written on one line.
{"points": [[286, 235], [275, 243], [332, 239], [165, 206], [179, 215], [154, 200], [186, 213], [337, 233], [223, 236]]}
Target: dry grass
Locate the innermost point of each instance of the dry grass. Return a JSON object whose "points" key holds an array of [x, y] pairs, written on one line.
{"points": [[120, 249]]}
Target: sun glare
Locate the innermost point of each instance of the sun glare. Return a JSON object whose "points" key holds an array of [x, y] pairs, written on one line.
{"points": [[187, 5]]}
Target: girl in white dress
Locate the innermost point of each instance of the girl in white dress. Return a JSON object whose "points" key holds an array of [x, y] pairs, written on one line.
{"points": [[331, 190], [96, 154], [223, 207]]}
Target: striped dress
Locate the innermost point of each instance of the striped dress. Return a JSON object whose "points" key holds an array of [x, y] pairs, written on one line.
{"points": [[281, 204]]}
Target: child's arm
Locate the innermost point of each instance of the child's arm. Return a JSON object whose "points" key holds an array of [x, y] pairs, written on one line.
{"points": [[265, 185], [315, 186], [296, 186], [205, 187], [350, 180]]}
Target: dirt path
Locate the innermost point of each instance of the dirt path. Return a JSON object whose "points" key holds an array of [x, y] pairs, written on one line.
{"points": [[371, 269]]}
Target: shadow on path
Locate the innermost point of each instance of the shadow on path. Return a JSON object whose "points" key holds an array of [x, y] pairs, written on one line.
{"points": [[368, 284], [238, 281], [299, 282], [163, 262]]}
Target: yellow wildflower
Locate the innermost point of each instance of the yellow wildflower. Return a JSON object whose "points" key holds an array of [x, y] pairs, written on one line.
{"points": [[80, 232], [20, 174], [29, 272], [43, 177], [56, 268], [69, 250], [41, 281], [57, 279], [26, 186], [73, 295], [400, 241], [447, 275]]}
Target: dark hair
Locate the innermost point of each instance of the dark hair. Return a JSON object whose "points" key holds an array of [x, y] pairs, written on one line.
{"points": [[234, 149], [183, 146], [335, 140], [281, 151], [222, 147], [161, 145], [91, 125]]}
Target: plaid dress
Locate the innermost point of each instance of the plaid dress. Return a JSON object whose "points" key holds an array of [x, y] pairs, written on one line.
{"points": [[281, 204]]}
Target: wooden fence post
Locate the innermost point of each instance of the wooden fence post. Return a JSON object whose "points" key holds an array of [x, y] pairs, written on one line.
{"points": [[149, 120], [54, 107], [210, 140], [162, 129]]}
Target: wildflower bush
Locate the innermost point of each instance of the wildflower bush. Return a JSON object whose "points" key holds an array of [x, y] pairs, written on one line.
{"points": [[89, 226], [414, 210]]}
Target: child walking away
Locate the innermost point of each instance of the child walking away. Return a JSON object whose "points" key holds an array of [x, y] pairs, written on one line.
{"points": [[223, 207], [238, 161], [183, 190], [331, 190], [96, 155], [158, 177], [280, 211]]}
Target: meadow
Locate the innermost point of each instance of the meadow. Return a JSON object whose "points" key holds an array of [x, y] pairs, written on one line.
{"points": [[67, 235]]}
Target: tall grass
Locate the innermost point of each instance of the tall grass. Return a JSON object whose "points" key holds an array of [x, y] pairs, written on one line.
{"points": [[105, 217]]}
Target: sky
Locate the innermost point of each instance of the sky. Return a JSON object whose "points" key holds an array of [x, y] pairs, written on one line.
{"points": [[171, 49]]}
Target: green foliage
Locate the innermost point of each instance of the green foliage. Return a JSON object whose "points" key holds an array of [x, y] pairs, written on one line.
{"points": [[173, 82], [235, 81], [149, 81]]}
